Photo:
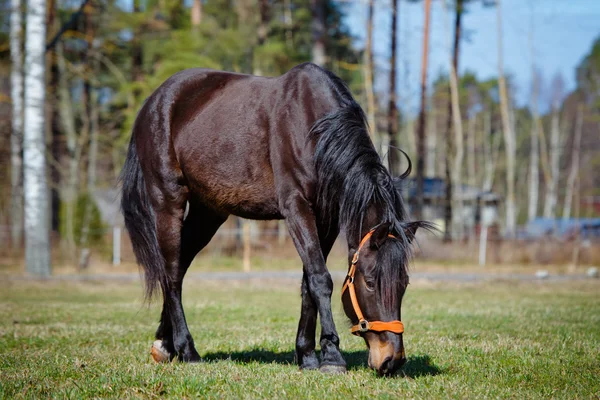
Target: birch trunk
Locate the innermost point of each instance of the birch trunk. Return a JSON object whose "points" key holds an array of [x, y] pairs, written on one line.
{"points": [[449, 213], [458, 157], [534, 160], [16, 138], [455, 140], [37, 230], [534, 173], [507, 130], [552, 187], [574, 172]]}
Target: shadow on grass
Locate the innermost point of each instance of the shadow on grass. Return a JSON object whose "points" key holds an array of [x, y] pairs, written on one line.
{"points": [[416, 366]]}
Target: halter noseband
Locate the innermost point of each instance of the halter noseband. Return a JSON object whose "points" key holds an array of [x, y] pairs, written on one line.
{"points": [[364, 325]]}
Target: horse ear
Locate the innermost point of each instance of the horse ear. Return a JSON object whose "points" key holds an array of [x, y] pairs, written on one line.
{"points": [[379, 235], [410, 230]]}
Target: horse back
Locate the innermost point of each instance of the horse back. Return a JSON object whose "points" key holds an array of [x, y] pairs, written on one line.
{"points": [[241, 143]]}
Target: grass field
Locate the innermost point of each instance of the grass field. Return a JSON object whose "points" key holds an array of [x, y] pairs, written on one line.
{"points": [[516, 340]]}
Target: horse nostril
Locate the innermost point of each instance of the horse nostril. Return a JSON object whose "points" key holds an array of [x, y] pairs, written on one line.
{"points": [[401, 362]]}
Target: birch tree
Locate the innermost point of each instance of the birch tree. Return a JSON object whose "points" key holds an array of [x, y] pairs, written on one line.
{"points": [[452, 111], [454, 143], [509, 135], [534, 160], [16, 138], [574, 172], [550, 202], [37, 239]]}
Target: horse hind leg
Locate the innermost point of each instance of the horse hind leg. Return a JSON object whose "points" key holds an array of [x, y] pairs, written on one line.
{"points": [[173, 337]]}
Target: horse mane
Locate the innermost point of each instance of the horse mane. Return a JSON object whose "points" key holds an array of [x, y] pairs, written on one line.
{"points": [[350, 178]]}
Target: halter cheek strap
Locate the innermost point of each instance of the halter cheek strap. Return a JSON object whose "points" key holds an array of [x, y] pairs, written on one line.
{"points": [[364, 325]]}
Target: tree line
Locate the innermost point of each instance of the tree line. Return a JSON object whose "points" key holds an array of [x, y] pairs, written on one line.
{"points": [[100, 59]]}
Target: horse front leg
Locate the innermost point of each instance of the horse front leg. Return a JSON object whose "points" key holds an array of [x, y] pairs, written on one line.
{"points": [[305, 338], [316, 292], [306, 356]]}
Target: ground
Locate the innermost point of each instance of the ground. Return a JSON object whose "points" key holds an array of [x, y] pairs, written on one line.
{"points": [[491, 339]]}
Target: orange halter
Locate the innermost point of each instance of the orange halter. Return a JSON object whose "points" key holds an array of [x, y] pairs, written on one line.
{"points": [[364, 325]]}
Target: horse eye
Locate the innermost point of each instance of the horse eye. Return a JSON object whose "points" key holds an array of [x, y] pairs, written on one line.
{"points": [[370, 285]]}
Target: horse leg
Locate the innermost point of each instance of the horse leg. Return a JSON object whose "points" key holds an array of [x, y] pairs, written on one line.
{"points": [[173, 336], [303, 230], [305, 338]]}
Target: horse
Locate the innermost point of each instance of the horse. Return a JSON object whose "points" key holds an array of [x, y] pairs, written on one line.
{"points": [[294, 147]]}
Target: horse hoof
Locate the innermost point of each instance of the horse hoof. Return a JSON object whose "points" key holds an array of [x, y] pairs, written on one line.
{"points": [[159, 353], [333, 369]]}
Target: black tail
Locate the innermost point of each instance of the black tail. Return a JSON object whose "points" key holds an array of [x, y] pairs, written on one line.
{"points": [[140, 222]]}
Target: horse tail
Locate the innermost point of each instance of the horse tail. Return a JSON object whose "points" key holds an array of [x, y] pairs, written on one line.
{"points": [[140, 222]]}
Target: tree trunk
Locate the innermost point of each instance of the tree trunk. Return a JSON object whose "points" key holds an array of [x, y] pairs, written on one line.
{"points": [[196, 13], [574, 172], [16, 138], [534, 161], [65, 109], [369, 68], [431, 140], [471, 174], [319, 56], [457, 220], [91, 110], [448, 212], [552, 187], [534, 174], [263, 30], [421, 136], [288, 22], [53, 124], [509, 136], [37, 238], [491, 147], [136, 51], [392, 122]]}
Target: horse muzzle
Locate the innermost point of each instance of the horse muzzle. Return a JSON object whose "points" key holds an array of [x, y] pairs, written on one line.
{"points": [[386, 352]]}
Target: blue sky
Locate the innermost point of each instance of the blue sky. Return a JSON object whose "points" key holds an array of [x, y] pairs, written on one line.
{"points": [[563, 32]]}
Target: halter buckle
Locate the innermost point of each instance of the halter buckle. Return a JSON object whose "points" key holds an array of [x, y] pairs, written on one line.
{"points": [[363, 326]]}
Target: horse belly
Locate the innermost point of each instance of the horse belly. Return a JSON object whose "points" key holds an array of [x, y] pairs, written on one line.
{"points": [[231, 179], [253, 200]]}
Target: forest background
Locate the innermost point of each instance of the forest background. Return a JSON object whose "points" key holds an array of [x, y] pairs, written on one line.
{"points": [[529, 143]]}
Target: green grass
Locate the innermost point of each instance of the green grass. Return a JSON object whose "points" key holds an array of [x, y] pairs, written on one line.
{"points": [[504, 340]]}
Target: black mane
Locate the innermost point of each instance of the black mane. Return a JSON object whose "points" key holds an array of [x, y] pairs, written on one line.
{"points": [[351, 177]]}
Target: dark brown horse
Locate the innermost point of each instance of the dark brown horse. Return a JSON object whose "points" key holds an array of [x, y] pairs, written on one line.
{"points": [[294, 147]]}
